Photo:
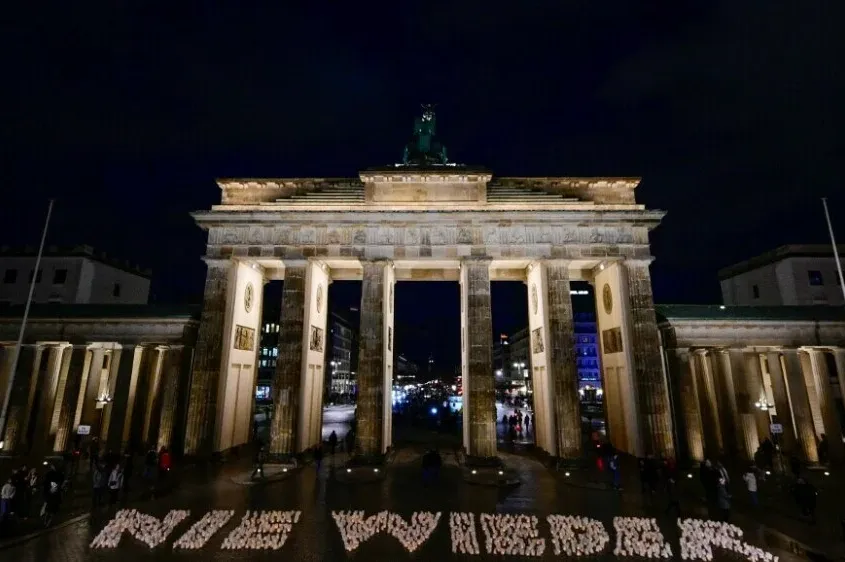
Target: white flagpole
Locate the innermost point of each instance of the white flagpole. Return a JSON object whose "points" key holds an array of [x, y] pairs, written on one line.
{"points": [[17, 352], [835, 249]]}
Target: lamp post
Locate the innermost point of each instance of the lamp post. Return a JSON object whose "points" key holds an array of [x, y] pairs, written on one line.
{"points": [[104, 399]]}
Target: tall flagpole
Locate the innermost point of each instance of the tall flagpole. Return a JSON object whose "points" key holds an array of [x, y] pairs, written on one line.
{"points": [[835, 249], [17, 352]]}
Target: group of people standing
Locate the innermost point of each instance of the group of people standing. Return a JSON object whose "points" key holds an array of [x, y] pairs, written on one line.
{"points": [[24, 485]]}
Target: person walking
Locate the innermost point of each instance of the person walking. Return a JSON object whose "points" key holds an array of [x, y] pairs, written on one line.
{"points": [[115, 484], [332, 442], [750, 478], [613, 465], [318, 457], [258, 469], [98, 485], [723, 500], [52, 488]]}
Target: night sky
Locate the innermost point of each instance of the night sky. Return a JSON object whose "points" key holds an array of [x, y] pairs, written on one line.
{"points": [[732, 112]]}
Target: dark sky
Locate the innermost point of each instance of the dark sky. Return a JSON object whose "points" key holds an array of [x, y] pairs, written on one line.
{"points": [[730, 111]]}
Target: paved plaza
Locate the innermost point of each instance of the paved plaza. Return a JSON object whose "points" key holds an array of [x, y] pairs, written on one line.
{"points": [[315, 535]]}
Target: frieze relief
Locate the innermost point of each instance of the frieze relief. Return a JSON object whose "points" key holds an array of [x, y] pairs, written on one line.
{"points": [[435, 235]]}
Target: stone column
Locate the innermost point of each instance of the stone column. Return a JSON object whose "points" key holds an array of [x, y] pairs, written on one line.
{"points": [[744, 409], [7, 353], [372, 358], [152, 410], [86, 404], [288, 379], [169, 391], [563, 375], [108, 387], [481, 412], [780, 393], [136, 402], [799, 400], [839, 357], [709, 405], [205, 378], [652, 391], [122, 371], [688, 394], [812, 383], [75, 360], [50, 400], [757, 391], [827, 405], [19, 406]]}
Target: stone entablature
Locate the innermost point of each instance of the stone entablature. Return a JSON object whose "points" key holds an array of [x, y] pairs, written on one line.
{"points": [[600, 191], [752, 333], [399, 236]]}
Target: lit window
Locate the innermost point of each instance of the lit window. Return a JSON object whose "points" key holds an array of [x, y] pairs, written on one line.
{"points": [[815, 277]]}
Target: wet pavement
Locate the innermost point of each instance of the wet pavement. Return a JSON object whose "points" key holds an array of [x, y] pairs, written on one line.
{"points": [[316, 537]]}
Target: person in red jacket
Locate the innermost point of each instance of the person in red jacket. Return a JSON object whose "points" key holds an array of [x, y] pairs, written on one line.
{"points": [[163, 464]]}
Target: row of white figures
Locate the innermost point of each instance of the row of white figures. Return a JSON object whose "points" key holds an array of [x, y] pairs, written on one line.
{"points": [[640, 536], [573, 535], [698, 537], [262, 530], [512, 535], [150, 530], [462, 533], [355, 528], [201, 531]]}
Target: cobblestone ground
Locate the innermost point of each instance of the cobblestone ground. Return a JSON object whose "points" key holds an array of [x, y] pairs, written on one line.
{"points": [[316, 537]]}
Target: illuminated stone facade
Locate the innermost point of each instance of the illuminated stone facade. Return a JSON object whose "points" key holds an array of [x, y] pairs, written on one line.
{"points": [[735, 371], [119, 371], [445, 223]]}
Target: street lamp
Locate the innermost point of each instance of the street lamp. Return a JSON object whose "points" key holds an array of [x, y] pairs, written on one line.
{"points": [[102, 400]]}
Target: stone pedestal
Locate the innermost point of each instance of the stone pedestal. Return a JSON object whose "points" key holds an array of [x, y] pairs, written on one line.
{"points": [[480, 384], [376, 289], [652, 389], [688, 395], [287, 382], [205, 378], [563, 374]]}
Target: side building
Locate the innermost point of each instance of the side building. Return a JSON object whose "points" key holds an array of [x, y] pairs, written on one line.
{"points": [[70, 276], [117, 372], [793, 275], [739, 375]]}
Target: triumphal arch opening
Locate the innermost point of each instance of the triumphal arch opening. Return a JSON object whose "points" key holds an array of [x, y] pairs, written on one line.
{"points": [[427, 219]]}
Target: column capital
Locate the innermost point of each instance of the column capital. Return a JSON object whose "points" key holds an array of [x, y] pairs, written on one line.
{"points": [[637, 262], [217, 263]]}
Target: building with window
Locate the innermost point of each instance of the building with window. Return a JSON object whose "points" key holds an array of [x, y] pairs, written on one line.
{"points": [[70, 276], [405, 371], [340, 384], [587, 356], [794, 275], [520, 357], [340, 360]]}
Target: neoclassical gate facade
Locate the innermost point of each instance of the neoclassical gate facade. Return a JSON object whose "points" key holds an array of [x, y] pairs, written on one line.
{"points": [[409, 223]]}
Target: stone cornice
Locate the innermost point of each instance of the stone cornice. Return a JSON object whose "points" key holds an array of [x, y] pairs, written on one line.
{"points": [[255, 215]]}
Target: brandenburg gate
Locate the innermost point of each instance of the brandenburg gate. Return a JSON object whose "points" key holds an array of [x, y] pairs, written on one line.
{"points": [[427, 220]]}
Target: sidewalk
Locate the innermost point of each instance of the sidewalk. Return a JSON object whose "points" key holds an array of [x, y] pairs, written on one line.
{"points": [[777, 510]]}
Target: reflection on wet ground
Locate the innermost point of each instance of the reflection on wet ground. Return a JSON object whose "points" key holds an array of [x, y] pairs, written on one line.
{"points": [[315, 536]]}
